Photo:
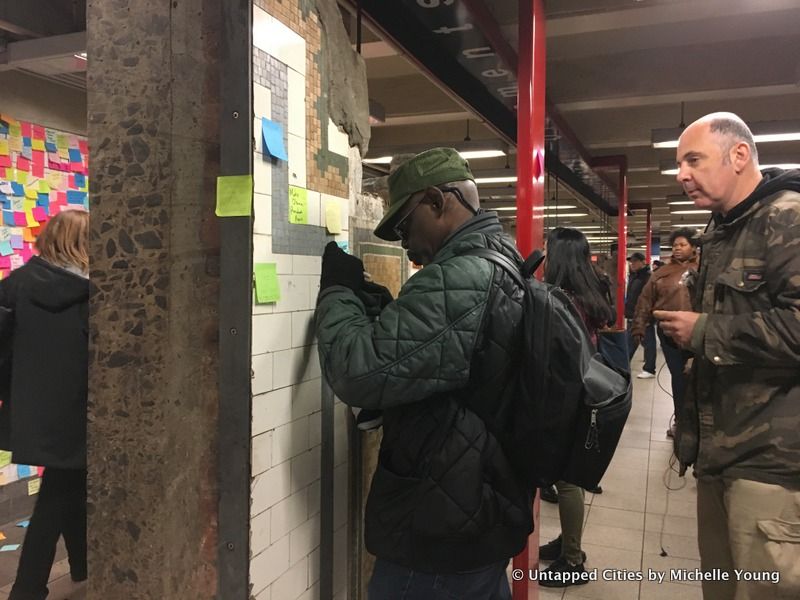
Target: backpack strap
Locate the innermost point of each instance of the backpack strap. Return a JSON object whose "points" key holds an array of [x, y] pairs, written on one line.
{"points": [[501, 260]]}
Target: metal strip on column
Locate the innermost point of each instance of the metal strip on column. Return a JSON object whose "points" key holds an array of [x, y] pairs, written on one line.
{"points": [[649, 236], [235, 305], [326, 495], [622, 241]]}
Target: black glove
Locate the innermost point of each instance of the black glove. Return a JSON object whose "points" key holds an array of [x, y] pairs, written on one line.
{"points": [[339, 268], [374, 297]]}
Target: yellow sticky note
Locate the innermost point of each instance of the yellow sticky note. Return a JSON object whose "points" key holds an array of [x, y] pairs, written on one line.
{"points": [[333, 216], [27, 235], [267, 288], [31, 221], [31, 193], [298, 205], [15, 143], [44, 187], [34, 485], [54, 179], [29, 204], [62, 141], [4, 147], [234, 196], [37, 145], [5, 458], [21, 177]]}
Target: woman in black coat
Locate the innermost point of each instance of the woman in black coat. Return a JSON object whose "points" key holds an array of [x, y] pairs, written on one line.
{"points": [[43, 419]]}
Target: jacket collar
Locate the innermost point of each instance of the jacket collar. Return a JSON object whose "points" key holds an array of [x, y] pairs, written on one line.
{"points": [[484, 223]]}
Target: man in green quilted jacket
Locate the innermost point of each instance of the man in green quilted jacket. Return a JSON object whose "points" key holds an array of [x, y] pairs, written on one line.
{"points": [[445, 511], [740, 420]]}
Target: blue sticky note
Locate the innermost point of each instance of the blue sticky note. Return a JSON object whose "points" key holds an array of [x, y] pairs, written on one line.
{"points": [[23, 524], [74, 197], [22, 470], [8, 218], [26, 141], [16, 242], [80, 180], [18, 189], [7, 250], [272, 134], [43, 200], [5, 201], [75, 155], [9, 547], [50, 147], [3, 128]]}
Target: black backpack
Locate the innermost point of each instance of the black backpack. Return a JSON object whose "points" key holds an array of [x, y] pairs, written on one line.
{"points": [[570, 404]]}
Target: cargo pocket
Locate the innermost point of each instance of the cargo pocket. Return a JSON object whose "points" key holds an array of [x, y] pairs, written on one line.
{"points": [[776, 548]]}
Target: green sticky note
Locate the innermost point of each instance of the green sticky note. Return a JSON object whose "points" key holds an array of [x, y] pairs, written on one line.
{"points": [[234, 196], [267, 288], [5, 458], [298, 205]]}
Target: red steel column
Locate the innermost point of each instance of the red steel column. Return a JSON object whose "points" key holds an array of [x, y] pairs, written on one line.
{"points": [[530, 126], [649, 236], [530, 199], [622, 241]]}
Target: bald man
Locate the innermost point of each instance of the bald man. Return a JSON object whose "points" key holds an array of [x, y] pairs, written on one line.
{"points": [[740, 420]]}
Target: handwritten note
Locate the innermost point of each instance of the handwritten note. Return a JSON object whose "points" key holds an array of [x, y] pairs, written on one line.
{"points": [[267, 288], [333, 215], [298, 205]]}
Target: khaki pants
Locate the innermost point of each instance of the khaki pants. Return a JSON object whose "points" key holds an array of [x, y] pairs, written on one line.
{"points": [[751, 527]]}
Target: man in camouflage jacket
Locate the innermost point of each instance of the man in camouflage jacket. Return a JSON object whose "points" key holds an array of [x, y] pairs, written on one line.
{"points": [[740, 421]]}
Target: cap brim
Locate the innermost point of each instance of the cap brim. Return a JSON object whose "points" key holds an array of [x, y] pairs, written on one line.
{"points": [[385, 229]]}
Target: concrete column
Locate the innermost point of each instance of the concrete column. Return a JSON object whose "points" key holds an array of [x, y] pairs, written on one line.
{"points": [[153, 103]]}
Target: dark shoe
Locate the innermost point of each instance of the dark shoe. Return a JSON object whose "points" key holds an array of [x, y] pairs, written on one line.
{"points": [[551, 550], [595, 490], [368, 419], [562, 574], [549, 494]]}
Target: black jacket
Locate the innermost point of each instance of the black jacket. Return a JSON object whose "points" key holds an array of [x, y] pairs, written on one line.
{"points": [[43, 421], [440, 362], [636, 283]]}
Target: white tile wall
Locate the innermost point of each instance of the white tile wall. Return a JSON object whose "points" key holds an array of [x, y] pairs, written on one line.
{"points": [[286, 385], [290, 440], [269, 565]]}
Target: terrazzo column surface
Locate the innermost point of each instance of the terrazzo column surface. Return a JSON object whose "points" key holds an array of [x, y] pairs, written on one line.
{"points": [[153, 94]]}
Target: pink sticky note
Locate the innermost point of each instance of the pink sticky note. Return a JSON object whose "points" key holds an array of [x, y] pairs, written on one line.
{"points": [[84, 147], [23, 164], [39, 214], [38, 132], [25, 128], [20, 220], [26, 254], [76, 167], [5, 262], [37, 157], [5, 161], [62, 197], [37, 171]]}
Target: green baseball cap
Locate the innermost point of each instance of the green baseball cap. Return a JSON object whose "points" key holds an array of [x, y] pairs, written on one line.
{"points": [[430, 168]]}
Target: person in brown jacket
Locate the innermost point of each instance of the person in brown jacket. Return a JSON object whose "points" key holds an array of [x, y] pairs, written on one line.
{"points": [[667, 290]]}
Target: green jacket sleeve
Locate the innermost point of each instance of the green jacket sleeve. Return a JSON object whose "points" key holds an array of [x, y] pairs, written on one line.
{"points": [[421, 344], [766, 337]]}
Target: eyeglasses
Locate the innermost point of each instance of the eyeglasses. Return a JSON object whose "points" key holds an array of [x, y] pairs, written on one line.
{"points": [[401, 227]]}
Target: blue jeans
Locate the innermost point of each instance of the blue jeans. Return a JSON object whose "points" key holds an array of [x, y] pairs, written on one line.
{"points": [[649, 343], [393, 582], [676, 359]]}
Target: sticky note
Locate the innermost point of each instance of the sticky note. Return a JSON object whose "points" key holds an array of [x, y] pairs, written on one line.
{"points": [[8, 218], [74, 197], [39, 214], [19, 219], [298, 205], [50, 147], [6, 249], [234, 196], [62, 141], [16, 242], [5, 161], [37, 132], [23, 524], [21, 177], [37, 144], [75, 155], [44, 187], [54, 180], [267, 288], [27, 235], [26, 129], [333, 216], [30, 221], [272, 135], [23, 470], [4, 147], [15, 142], [5, 460], [33, 486], [23, 164], [83, 145], [31, 193], [17, 189], [9, 548], [80, 180]]}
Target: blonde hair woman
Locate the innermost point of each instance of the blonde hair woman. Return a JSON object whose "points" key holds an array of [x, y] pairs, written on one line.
{"points": [[43, 420]]}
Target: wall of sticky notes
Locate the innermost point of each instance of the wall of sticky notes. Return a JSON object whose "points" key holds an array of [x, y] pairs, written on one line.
{"points": [[42, 172]]}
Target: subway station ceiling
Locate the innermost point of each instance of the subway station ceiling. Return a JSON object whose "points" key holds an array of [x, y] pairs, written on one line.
{"points": [[616, 70]]}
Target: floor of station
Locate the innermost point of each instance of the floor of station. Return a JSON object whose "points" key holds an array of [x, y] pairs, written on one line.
{"points": [[61, 585], [644, 508]]}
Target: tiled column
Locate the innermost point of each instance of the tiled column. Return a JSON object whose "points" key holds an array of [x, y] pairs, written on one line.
{"points": [[153, 113]]}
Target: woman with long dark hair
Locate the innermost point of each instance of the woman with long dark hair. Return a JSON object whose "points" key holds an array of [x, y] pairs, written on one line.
{"points": [[568, 266]]}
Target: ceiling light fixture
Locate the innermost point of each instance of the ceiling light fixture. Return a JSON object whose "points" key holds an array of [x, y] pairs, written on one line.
{"points": [[485, 180], [680, 202], [690, 212], [548, 208], [673, 170], [81, 56], [764, 131], [689, 224], [467, 154]]}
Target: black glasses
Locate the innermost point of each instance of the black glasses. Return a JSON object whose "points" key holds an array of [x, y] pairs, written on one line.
{"points": [[401, 227]]}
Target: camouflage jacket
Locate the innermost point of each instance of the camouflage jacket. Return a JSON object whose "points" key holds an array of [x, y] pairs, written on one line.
{"points": [[741, 414]]}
